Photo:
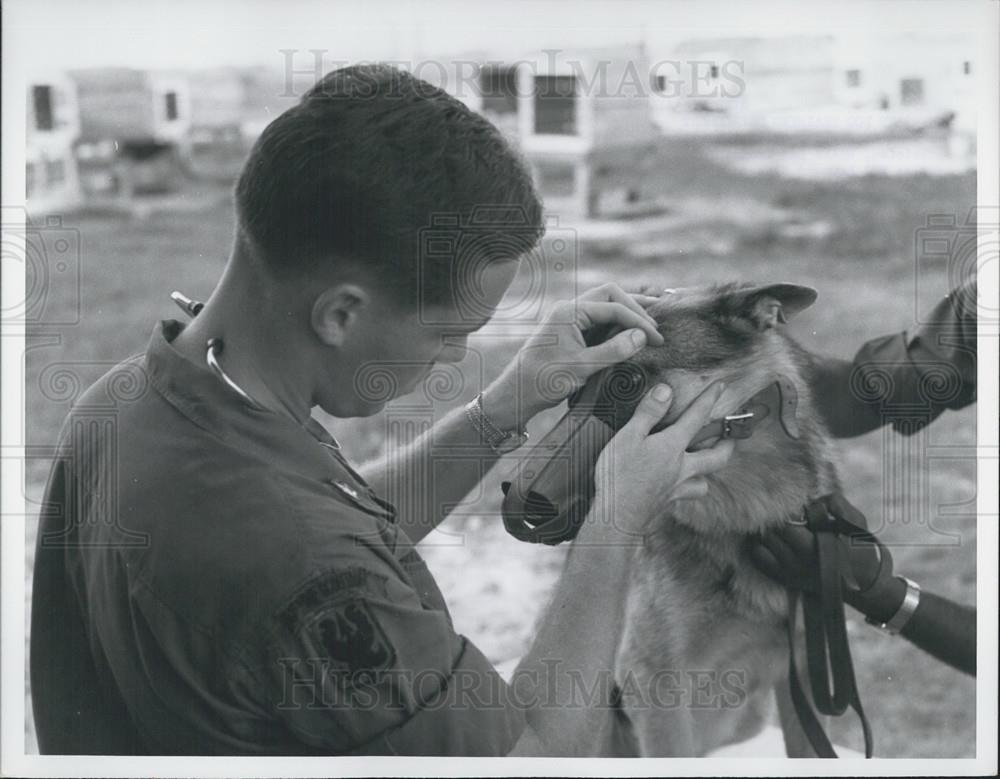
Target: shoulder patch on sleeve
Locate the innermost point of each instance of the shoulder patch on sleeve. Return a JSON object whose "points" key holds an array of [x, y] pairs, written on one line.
{"points": [[330, 618], [327, 588], [354, 641]]}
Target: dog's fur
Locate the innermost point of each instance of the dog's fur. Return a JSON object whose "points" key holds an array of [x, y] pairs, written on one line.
{"points": [[704, 642]]}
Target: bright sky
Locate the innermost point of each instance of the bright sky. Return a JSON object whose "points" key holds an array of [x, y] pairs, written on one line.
{"points": [[57, 34]]}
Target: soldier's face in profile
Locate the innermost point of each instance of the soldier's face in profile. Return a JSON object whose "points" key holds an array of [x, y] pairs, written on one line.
{"points": [[398, 347]]}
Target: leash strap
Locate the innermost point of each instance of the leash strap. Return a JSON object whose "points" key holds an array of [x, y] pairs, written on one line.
{"points": [[807, 717], [828, 651]]}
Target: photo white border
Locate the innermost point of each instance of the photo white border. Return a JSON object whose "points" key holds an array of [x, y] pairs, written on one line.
{"points": [[740, 17]]}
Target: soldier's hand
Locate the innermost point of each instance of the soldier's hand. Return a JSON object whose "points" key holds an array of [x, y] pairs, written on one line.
{"points": [[567, 348], [788, 555], [637, 473]]}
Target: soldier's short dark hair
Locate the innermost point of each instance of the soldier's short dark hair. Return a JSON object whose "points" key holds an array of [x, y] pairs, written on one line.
{"points": [[371, 157]]}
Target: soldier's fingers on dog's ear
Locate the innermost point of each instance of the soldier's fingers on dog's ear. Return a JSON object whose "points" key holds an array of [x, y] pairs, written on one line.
{"points": [[644, 300], [594, 312], [614, 350], [651, 409], [612, 293], [696, 415], [707, 461], [618, 295]]}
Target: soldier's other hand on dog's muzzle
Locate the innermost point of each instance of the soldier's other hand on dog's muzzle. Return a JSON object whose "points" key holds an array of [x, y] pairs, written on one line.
{"points": [[548, 499]]}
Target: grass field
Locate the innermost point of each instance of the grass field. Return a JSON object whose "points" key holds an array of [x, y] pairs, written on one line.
{"points": [[853, 240]]}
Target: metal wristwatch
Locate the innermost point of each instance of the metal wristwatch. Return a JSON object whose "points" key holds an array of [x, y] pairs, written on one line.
{"points": [[906, 609], [500, 441]]}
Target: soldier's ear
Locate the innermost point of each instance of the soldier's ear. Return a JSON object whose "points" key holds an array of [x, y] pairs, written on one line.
{"points": [[769, 305], [335, 312]]}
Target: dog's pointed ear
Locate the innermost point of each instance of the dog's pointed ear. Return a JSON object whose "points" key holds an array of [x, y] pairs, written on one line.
{"points": [[768, 305]]}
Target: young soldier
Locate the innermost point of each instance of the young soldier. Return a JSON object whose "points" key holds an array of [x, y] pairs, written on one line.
{"points": [[212, 576]]}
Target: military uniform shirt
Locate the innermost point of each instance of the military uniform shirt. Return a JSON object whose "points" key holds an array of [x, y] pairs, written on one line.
{"points": [[211, 578]]}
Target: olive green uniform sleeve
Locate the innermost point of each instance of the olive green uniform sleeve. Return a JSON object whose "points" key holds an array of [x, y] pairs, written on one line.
{"points": [[358, 664], [906, 379]]}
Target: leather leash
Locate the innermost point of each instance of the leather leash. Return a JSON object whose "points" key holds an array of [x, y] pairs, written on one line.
{"points": [[828, 651]]}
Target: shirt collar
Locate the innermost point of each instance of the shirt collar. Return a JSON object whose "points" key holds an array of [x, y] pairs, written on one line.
{"points": [[197, 393]]}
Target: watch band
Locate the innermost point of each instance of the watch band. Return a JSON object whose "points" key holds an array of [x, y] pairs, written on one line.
{"points": [[500, 441], [906, 609]]}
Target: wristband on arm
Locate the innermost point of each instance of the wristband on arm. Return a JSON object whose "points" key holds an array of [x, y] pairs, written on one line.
{"points": [[904, 613]]}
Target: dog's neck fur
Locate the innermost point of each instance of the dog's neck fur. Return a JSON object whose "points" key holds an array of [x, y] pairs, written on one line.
{"points": [[770, 478]]}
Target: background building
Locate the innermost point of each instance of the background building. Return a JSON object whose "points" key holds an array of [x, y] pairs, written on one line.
{"points": [[843, 84], [133, 124], [581, 117], [53, 126], [917, 78]]}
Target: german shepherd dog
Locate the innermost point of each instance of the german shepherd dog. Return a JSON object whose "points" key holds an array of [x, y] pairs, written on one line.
{"points": [[704, 644]]}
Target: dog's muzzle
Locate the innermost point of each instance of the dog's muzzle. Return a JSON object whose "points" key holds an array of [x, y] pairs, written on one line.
{"points": [[549, 497]]}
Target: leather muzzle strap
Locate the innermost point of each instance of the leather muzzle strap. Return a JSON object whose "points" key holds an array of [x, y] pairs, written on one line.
{"points": [[779, 397], [828, 652], [548, 499]]}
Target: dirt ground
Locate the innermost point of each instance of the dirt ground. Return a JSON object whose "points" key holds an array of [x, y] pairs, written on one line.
{"points": [[853, 239]]}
